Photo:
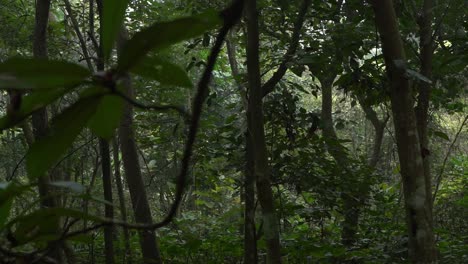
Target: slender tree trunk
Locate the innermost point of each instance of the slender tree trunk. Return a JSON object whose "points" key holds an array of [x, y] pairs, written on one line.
{"points": [[426, 44], [109, 209], [250, 240], [422, 247], [134, 178], [350, 195], [104, 149], [257, 134], [135, 183], [40, 117], [123, 209], [250, 237]]}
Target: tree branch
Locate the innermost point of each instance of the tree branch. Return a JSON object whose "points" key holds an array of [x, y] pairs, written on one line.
{"points": [[293, 45]]}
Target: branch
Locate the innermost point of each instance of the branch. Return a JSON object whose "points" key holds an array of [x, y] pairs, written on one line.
{"points": [[442, 169], [76, 27], [293, 45], [163, 108], [230, 15]]}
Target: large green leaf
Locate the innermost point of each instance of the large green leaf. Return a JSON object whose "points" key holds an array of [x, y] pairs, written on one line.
{"points": [[163, 71], [64, 129], [30, 104], [41, 225], [23, 73], [112, 19], [162, 35], [441, 135], [107, 117]]}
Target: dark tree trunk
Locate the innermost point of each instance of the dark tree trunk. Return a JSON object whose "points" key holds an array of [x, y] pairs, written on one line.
{"points": [[426, 45], [134, 178], [104, 152], [123, 208], [40, 117], [422, 247], [257, 135], [248, 186], [250, 238], [133, 175], [109, 209]]}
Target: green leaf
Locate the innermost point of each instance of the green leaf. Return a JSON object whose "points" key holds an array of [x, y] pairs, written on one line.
{"points": [[113, 14], [41, 225], [162, 35], [30, 104], [163, 71], [22, 73], [64, 129], [73, 186], [8, 192], [107, 117], [441, 135], [82, 238], [95, 199], [5, 208]]}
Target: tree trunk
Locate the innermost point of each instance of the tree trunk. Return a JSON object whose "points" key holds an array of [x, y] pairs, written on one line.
{"points": [[134, 178], [109, 209], [257, 135], [422, 247], [103, 146], [351, 196], [250, 238], [40, 118], [123, 209], [426, 44], [248, 186]]}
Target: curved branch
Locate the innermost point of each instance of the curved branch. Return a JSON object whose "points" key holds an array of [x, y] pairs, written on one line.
{"points": [[293, 45], [230, 15]]}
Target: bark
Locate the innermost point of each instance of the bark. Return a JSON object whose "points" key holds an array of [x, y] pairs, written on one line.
{"points": [[109, 209], [426, 44], [28, 134], [250, 237], [257, 134], [123, 208], [250, 240], [40, 118], [421, 242]]}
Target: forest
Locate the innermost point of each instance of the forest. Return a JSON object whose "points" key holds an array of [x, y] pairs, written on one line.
{"points": [[237, 131]]}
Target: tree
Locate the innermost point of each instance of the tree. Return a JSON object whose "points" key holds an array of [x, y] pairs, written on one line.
{"points": [[415, 185], [257, 136]]}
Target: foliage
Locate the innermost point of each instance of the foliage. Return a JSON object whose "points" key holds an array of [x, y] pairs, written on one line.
{"points": [[165, 54]]}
